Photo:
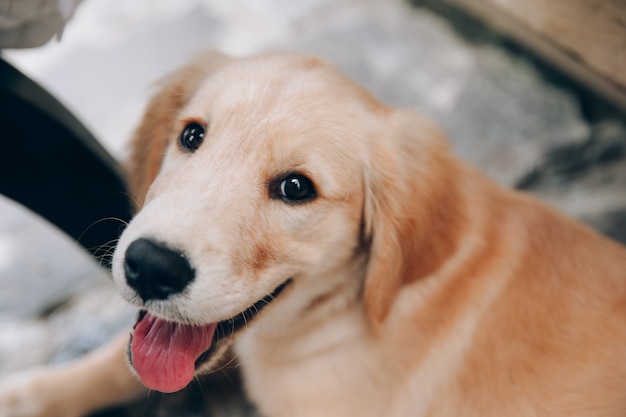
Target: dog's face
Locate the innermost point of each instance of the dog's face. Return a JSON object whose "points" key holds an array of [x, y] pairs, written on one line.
{"points": [[262, 191]]}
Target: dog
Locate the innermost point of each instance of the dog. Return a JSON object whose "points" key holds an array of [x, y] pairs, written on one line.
{"points": [[349, 261]]}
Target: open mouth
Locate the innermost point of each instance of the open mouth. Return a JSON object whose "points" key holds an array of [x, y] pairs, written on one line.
{"points": [[166, 354]]}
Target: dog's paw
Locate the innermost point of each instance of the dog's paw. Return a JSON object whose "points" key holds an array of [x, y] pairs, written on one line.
{"points": [[33, 393]]}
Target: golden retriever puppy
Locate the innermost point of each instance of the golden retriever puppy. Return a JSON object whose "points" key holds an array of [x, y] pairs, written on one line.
{"points": [[352, 263]]}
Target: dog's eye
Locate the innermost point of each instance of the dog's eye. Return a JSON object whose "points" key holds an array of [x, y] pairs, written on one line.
{"points": [[296, 187], [192, 136]]}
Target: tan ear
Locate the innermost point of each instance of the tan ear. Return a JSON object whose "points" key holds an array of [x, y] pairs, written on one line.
{"points": [[410, 215], [159, 121]]}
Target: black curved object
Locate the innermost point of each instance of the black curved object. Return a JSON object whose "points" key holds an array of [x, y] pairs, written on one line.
{"points": [[50, 163]]}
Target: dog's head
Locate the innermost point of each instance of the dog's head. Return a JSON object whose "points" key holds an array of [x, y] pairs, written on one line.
{"points": [[267, 179]]}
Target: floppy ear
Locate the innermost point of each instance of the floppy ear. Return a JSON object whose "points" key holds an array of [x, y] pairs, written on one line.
{"points": [[409, 215], [157, 126]]}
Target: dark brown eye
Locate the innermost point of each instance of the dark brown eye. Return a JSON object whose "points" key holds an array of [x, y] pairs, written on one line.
{"points": [[192, 136], [296, 188]]}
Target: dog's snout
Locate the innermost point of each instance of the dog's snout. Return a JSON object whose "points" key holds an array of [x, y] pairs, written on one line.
{"points": [[154, 271]]}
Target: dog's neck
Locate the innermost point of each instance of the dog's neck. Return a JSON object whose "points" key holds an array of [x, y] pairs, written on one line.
{"points": [[313, 333]]}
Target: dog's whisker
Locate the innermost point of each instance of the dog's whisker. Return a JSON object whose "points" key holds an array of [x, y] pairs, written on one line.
{"points": [[107, 247], [202, 385], [224, 366], [95, 249], [132, 198], [104, 253], [104, 219]]}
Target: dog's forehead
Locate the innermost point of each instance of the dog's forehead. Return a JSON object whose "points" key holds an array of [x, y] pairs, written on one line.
{"points": [[290, 111], [266, 88]]}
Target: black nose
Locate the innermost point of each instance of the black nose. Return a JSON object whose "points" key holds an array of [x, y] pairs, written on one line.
{"points": [[155, 271]]}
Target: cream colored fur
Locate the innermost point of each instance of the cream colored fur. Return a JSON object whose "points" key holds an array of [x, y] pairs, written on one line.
{"points": [[420, 287]]}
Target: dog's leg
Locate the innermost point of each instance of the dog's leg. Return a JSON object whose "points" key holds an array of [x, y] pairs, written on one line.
{"points": [[95, 381]]}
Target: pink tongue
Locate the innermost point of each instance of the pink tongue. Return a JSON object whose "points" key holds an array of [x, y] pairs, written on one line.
{"points": [[164, 353]]}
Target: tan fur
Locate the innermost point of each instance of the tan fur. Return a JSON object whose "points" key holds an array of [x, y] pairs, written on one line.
{"points": [[420, 287], [158, 126]]}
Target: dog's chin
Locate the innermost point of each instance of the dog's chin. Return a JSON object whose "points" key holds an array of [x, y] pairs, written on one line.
{"points": [[166, 355], [226, 330]]}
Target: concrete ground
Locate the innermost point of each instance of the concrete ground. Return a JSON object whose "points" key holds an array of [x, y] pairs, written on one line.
{"points": [[519, 121]]}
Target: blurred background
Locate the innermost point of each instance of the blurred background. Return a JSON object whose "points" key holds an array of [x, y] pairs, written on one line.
{"points": [[534, 94]]}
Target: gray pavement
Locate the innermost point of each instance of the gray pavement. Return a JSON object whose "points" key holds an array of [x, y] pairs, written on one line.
{"points": [[497, 106]]}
